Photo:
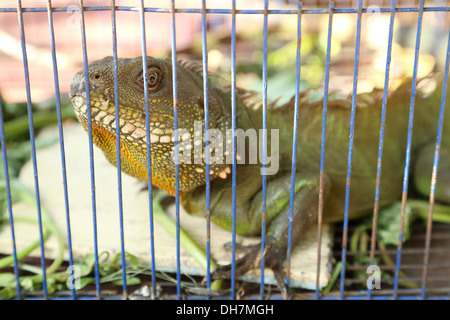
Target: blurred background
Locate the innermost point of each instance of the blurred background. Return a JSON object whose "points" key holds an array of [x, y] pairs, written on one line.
{"points": [[282, 43]]}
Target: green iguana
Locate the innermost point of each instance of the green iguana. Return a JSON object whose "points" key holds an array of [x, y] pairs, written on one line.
{"points": [[190, 106]]}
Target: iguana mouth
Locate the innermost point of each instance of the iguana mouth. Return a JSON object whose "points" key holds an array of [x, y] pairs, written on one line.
{"points": [[129, 126]]}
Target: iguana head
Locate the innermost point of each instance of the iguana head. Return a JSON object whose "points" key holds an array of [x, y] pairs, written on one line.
{"points": [[133, 134]]}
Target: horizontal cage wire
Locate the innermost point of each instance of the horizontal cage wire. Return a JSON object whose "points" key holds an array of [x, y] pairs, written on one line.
{"points": [[346, 100]]}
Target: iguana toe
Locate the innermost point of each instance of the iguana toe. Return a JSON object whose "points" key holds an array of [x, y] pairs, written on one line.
{"points": [[273, 258]]}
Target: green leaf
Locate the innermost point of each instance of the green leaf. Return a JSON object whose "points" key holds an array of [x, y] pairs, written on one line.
{"points": [[51, 284], [89, 260], [132, 258], [87, 265], [106, 268], [84, 282], [28, 284], [389, 223], [7, 280], [7, 293], [115, 260], [130, 281]]}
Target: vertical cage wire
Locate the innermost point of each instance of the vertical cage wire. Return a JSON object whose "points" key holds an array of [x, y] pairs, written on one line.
{"points": [[408, 150], [177, 147], [91, 148], [207, 154], [264, 150], [33, 145], [149, 158], [294, 142], [9, 203], [434, 174], [118, 157], [376, 207], [61, 143], [233, 148], [350, 146], [322, 143]]}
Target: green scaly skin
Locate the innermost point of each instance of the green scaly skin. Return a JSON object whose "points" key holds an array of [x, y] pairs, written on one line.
{"points": [[249, 183]]}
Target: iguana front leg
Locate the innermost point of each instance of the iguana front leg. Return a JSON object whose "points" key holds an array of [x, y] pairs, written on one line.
{"points": [[248, 215]]}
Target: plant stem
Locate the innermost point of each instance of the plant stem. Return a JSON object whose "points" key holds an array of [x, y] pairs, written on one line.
{"points": [[389, 262], [186, 241], [441, 213], [334, 276], [40, 119], [27, 196], [8, 261]]}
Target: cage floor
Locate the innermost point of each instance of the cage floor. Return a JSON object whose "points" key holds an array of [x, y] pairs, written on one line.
{"points": [[411, 268]]}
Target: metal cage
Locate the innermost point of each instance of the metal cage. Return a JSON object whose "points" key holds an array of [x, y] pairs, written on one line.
{"points": [[344, 288]]}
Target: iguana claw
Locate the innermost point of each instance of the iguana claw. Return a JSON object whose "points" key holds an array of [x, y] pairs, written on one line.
{"points": [[273, 256]]}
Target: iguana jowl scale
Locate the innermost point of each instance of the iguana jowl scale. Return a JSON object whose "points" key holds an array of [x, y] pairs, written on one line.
{"points": [[249, 182]]}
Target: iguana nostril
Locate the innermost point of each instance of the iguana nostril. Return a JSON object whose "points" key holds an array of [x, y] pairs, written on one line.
{"points": [[77, 86]]}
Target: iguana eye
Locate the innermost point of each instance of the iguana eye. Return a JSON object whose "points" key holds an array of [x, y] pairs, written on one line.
{"points": [[153, 80]]}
